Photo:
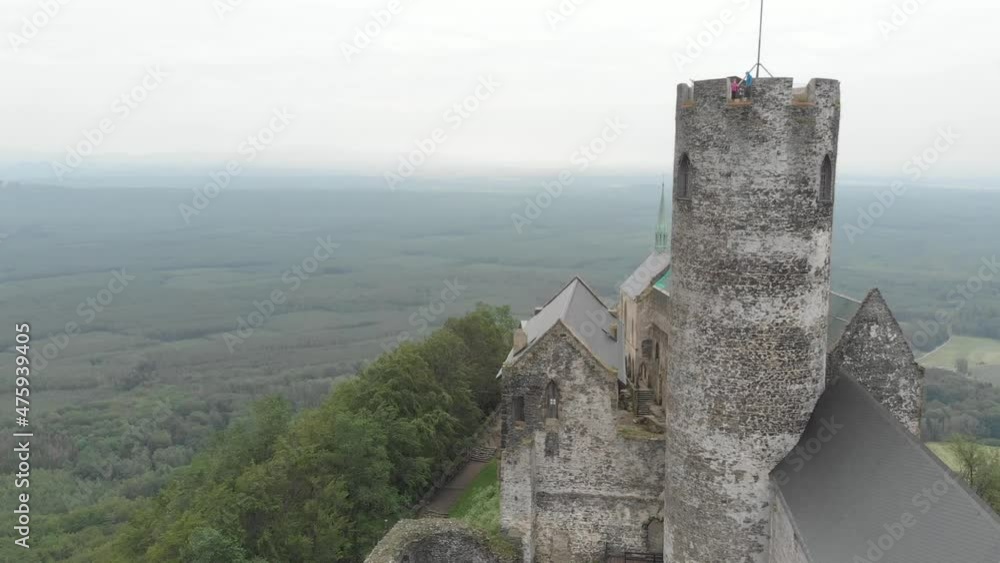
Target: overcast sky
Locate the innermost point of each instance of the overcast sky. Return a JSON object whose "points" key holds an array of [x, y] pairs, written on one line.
{"points": [[559, 77]]}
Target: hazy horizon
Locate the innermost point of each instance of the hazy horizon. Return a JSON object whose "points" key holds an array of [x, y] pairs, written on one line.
{"points": [[518, 86]]}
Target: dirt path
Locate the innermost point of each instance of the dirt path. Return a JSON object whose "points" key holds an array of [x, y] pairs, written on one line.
{"points": [[446, 498]]}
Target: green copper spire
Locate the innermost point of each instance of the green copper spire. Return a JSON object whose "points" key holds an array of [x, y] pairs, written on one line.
{"points": [[662, 233]]}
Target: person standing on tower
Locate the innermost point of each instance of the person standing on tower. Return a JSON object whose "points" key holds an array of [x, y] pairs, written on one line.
{"points": [[748, 83], [734, 88]]}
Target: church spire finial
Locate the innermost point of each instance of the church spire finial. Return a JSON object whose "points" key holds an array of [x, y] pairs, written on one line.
{"points": [[662, 233]]}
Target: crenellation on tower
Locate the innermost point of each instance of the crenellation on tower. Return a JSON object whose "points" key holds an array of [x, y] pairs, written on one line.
{"points": [[770, 92]]}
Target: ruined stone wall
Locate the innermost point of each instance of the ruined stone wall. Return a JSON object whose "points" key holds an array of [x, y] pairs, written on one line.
{"points": [[589, 483], [517, 496], [651, 325], [655, 305], [659, 336], [749, 301], [629, 313], [433, 540], [785, 546], [875, 353]]}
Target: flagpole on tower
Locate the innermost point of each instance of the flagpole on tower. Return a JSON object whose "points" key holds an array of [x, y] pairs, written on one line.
{"points": [[760, 37]]}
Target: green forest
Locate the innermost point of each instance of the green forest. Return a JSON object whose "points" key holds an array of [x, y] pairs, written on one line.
{"points": [[323, 484], [957, 404]]}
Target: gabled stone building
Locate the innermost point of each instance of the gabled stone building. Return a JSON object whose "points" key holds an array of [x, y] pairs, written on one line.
{"points": [[575, 468], [731, 408]]}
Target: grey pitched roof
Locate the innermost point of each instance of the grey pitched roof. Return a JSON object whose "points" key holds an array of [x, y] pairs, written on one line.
{"points": [[868, 475], [646, 274], [579, 308]]}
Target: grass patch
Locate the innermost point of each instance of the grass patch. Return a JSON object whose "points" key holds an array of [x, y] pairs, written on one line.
{"points": [[480, 503], [479, 506], [632, 431], [981, 352], [943, 451]]}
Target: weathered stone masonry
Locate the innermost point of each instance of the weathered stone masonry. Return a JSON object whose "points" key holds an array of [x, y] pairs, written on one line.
{"points": [[574, 483], [433, 540], [749, 297], [874, 351]]}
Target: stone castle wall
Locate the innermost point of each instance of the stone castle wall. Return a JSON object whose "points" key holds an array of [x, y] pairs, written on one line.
{"points": [[749, 300], [628, 311], [433, 540], [572, 484], [784, 546]]}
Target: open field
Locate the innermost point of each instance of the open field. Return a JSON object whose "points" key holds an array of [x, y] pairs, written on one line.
{"points": [[942, 451], [983, 355], [199, 305]]}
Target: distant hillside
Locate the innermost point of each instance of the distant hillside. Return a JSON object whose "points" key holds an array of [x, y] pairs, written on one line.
{"points": [[958, 404]]}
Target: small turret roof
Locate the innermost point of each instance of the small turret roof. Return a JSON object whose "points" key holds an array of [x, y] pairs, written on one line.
{"points": [[662, 231]]}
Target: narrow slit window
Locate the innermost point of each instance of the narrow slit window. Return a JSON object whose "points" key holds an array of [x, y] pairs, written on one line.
{"points": [[683, 188], [551, 405], [826, 180], [519, 409]]}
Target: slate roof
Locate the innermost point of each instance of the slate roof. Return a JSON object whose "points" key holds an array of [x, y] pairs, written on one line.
{"points": [[579, 308], [867, 476], [648, 273]]}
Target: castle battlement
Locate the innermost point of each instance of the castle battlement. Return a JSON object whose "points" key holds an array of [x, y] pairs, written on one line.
{"points": [[767, 92]]}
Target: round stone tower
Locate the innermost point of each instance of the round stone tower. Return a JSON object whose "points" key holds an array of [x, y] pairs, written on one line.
{"points": [[753, 205]]}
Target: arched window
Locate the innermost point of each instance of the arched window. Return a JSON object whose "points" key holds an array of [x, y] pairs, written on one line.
{"points": [[654, 535], [826, 180], [682, 188], [519, 409], [551, 405]]}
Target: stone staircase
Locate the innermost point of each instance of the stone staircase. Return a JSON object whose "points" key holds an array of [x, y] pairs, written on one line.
{"points": [[428, 513], [482, 454], [643, 401]]}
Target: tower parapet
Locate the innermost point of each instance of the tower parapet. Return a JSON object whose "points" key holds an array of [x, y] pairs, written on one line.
{"points": [[752, 222]]}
